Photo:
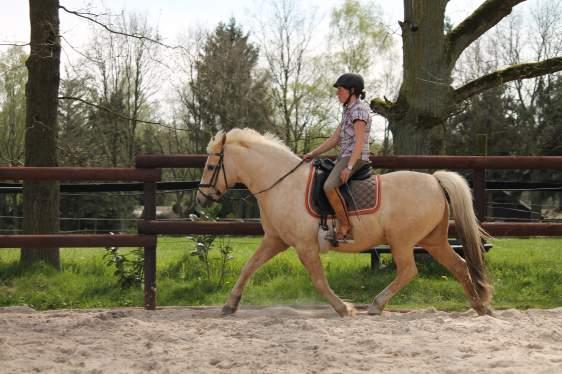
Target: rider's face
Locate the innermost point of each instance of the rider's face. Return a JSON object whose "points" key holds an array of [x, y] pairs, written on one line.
{"points": [[342, 94]]}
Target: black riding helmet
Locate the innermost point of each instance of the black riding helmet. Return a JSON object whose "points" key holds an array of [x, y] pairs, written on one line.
{"points": [[351, 81]]}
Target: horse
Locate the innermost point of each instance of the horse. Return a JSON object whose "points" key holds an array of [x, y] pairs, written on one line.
{"points": [[414, 210]]}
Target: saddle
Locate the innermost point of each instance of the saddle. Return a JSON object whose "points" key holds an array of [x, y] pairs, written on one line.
{"points": [[361, 193]]}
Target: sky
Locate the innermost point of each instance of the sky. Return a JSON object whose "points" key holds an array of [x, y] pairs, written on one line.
{"points": [[175, 17]]}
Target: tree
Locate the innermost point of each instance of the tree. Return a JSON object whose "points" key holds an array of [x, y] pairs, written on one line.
{"points": [[228, 89], [41, 199], [426, 97], [360, 43], [516, 110], [358, 36], [550, 140], [487, 126], [123, 80], [13, 77], [522, 116], [188, 113], [285, 32], [74, 140]]}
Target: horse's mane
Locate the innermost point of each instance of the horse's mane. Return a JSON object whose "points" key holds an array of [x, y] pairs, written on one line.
{"points": [[245, 138]]}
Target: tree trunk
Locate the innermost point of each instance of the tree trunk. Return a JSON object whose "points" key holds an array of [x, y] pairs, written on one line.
{"points": [[41, 199], [425, 95], [410, 139]]}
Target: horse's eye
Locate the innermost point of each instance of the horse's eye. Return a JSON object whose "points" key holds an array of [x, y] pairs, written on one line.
{"points": [[210, 167]]}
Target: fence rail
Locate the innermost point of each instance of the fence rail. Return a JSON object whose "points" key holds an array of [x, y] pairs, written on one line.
{"points": [[388, 162], [148, 171], [491, 185], [76, 240], [152, 227], [79, 174]]}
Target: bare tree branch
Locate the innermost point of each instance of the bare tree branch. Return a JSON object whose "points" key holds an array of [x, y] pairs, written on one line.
{"points": [[15, 44], [89, 58], [480, 21], [514, 72], [89, 17], [117, 114]]}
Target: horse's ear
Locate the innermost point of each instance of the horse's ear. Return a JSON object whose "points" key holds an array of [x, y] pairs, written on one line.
{"points": [[223, 139]]}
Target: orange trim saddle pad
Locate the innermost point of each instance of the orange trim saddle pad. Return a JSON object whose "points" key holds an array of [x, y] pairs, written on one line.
{"points": [[366, 196]]}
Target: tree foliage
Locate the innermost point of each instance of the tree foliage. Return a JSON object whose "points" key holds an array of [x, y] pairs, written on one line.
{"points": [[229, 90], [13, 77], [298, 80], [357, 35]]}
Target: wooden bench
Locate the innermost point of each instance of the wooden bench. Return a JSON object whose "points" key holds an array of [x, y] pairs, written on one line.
{"points": [[381, 249]]}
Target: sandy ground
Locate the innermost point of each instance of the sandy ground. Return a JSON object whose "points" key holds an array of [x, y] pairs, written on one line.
{"points": [[279, 339]]}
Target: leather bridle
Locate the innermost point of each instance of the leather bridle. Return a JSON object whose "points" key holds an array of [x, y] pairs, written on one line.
{"points": [[216, 174], [215, 178], [220, 167]]}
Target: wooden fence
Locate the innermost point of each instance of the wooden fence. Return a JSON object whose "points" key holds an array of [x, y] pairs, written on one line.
{"points": [[148, 171]]}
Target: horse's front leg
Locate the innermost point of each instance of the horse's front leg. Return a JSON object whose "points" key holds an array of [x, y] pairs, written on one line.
{"points": [[268, 248], [311, 261]]}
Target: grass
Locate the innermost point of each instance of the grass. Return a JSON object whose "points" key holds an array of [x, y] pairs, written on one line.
{"points": [[527, 273]]}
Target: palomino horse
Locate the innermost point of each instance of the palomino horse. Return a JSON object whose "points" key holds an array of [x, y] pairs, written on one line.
{"points": [[414, 210]]}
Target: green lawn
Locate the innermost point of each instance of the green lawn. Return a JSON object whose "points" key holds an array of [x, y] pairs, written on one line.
{"points": [[526, 273]]}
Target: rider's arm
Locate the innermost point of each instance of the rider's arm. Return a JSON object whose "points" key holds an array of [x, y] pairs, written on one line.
{"points": [[328, 144]]}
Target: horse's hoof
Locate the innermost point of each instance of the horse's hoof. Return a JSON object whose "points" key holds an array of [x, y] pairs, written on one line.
{"points": [[374, 310], [228, 307], [485, 311], [228, 310], [349, 311]]}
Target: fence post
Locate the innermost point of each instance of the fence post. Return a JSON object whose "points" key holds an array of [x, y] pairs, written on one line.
{"points": [[375, 260], [149, 197], [479, 187]]}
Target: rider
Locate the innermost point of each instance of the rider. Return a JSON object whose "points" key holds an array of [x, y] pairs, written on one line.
{"points": [[352, 135]]}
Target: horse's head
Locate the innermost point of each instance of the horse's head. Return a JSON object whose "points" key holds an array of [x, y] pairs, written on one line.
{"points": [[218, 173]]}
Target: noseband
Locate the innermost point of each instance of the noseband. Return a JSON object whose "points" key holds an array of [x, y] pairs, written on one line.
{"points": [[215, 177]]}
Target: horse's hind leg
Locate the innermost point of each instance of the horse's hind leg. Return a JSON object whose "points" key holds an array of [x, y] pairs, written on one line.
{"points": [[443, 253], [311, 261], [406, 270], [269, 247], [437, 244]]}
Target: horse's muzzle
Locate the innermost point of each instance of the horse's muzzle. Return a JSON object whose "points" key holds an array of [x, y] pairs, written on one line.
{"points": [[205, 200], [202, 201]]}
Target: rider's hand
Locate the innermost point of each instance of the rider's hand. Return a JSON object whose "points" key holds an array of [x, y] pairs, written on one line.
{"points": [[345, 174], [308, 157]]}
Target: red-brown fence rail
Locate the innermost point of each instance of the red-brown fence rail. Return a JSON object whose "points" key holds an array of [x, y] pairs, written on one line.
{"points": [[254, 228], [148, 171], [80, 174], [76, 240], [148, 176], [478, 165]]}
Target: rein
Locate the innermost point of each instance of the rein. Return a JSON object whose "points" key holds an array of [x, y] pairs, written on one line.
{"points": [[280, 179], [220, 167]]}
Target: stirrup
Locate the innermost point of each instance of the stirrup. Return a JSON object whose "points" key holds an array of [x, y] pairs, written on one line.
{"points": [[331, 236]]}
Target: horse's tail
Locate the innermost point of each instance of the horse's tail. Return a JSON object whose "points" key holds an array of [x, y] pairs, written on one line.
{"points": [[468, 230]]}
